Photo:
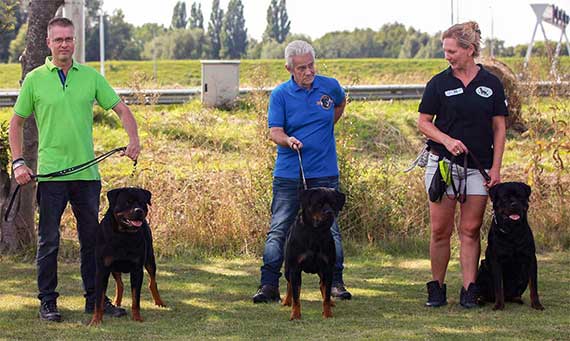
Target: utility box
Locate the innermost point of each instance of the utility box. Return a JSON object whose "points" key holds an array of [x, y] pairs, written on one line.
{"points": [[220, 82]]}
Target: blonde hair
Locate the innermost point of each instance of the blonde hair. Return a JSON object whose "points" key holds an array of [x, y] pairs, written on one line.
{"points": [[467, 34]]}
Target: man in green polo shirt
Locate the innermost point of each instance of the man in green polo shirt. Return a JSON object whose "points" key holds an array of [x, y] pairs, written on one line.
{"points": [[60, 94]]}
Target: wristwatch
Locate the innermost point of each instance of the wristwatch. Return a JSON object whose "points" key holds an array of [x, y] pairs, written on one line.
{"points": [[18, 163]]}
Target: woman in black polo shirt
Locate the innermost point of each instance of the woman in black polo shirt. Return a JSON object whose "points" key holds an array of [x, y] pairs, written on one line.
{"points": [[469, 107]]}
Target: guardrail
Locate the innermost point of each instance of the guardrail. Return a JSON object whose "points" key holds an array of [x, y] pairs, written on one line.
{"points": [[356, 92]]}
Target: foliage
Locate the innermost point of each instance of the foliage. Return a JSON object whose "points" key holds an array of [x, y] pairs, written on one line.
{"points": [[196, 16], [179, 17], [4, 146], [15, 17], [119, 40], [234, 32], [178, 44], [8, 15], [278, 23], [215, 29], [18, 45]]}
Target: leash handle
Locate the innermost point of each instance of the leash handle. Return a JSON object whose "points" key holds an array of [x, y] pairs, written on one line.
{"points": [[67, 171], [301, 168]]}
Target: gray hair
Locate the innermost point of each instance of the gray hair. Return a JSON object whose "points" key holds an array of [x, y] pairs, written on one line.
{"points": [[297, 48]]}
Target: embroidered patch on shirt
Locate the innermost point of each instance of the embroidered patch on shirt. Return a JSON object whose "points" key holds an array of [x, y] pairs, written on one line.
{"points": [[484, 91], [454, 92], [325, 102]]}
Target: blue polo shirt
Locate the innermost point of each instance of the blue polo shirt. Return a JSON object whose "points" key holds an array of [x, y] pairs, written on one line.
{"points": [[309, 116]]}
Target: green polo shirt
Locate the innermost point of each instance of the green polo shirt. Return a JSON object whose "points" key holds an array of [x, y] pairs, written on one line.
{"points": [[64, 116]]}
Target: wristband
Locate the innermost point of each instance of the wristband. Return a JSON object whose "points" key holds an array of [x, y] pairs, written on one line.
{"points": [[18, 163]]}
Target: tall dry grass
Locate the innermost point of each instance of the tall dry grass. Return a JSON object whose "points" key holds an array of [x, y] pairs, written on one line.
{"points": [[212, 189]]}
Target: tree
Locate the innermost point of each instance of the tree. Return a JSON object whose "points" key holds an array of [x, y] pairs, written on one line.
{"points": [[278, 23], [8, 10], [234, 32], [119, 40], [11, 20], [196, 17], [215, 29], [179, 16], [18, 45], [18, 232]]}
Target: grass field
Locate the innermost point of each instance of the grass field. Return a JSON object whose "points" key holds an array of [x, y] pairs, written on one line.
{"points": [[211, 298], [210, 174], [187, 73]]}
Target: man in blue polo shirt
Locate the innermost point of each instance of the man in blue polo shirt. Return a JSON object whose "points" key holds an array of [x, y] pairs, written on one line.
{"points": [[302, 114]]}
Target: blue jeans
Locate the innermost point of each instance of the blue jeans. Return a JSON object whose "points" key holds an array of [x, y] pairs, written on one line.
{"points": [[284, 209], [52, 197]]}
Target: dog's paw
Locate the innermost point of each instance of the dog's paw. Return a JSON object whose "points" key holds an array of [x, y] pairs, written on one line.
{"points": [[333, 303], [286, 302], [95, 322], [499, 306], [537, 305], [295, 316], [159, 303]]}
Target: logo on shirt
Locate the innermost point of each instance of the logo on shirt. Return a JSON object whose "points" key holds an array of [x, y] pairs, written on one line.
{"points": [[484, 91], [326, 102], [454, 92]]}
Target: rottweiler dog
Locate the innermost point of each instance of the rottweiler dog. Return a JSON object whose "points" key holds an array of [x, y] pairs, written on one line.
{"points": [[310, 246], [124, 245], [510, 259]]}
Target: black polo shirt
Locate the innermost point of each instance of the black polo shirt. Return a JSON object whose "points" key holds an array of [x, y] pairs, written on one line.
{"points": [[465, 113]]}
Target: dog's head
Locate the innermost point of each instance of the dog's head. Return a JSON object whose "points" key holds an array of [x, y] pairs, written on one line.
{"points": [[129, 207], [320, 206], [510, 201]]}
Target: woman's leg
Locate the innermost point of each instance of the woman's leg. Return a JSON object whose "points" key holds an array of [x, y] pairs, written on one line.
{"points": [[472, 212], [442, 221]]}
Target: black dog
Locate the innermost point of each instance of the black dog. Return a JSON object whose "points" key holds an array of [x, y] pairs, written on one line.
{"points": [[510, 259], [310, 246], [124, 245]]}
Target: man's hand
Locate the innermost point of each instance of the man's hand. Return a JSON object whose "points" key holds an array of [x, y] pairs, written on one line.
{"points": [[23, 175], [294, 143], [133, 150]]}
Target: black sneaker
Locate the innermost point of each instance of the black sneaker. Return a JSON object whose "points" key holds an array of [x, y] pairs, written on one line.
{"points": [[267, 293], [108, 308], [469, 298], [437, 295], [340, 292], [49, 312]]}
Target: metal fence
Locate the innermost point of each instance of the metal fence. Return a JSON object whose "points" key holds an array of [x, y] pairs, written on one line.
{"points": [[356, 92]]}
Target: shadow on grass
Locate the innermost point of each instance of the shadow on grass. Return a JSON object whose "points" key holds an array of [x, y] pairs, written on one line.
{"points": [[212, 298]]}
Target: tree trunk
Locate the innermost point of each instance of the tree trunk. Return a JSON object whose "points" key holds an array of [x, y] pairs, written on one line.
{"points": [[18, 232]]}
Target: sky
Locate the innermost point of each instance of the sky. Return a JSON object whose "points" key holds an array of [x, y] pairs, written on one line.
{"points": [[511, 20]]}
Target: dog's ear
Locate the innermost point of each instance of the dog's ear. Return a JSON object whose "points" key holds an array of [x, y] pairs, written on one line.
{"points": [[493, 192], [112, 196], [527, 190], [340, 200], [147, 195]]}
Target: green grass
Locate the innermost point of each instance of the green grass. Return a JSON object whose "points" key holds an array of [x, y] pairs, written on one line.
{"points": [[187, 73], [211, 298]]}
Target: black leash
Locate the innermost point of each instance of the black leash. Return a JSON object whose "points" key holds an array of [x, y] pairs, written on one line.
{"points": [[67, 171], [301, 169], [461, 198]]}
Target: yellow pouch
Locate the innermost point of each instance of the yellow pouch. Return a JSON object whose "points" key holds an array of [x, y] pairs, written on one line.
{"points": [[445, 172]]}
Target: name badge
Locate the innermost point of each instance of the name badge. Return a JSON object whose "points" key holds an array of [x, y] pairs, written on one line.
{"points": [[454, 92]]}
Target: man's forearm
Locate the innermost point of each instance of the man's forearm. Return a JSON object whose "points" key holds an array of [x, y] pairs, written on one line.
{"points": [[15, 136]]}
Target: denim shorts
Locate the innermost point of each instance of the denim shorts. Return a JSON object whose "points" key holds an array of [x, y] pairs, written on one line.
{"points": [[475, 181]]}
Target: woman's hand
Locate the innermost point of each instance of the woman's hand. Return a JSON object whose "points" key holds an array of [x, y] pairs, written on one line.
{"points": [[455, 147], [495, 175]]}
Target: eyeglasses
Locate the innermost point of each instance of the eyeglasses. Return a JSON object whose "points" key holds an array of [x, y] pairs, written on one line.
{"points": [[59, 41]]}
